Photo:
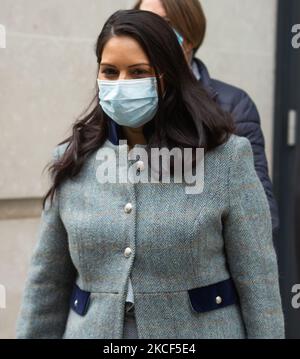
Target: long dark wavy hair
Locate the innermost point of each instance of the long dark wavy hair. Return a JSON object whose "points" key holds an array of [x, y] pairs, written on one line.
{"points": [[187, 117]]}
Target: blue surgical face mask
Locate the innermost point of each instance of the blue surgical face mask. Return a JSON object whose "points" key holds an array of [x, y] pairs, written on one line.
{"points": [[130, 103]]}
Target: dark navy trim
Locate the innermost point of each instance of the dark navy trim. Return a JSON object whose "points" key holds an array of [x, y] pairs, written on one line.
{"points": [[79, 301], [204, 299], [114, 132]]}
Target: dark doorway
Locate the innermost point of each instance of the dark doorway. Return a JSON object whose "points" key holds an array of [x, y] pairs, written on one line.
{"points": [[287, 159]]}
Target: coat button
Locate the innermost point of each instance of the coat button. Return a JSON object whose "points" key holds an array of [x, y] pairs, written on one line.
{"points": [[76, 302], [218, 300], [127, 252], [140, 165], [128, 208]]}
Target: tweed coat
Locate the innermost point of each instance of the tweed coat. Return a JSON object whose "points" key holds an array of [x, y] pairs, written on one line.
{"points": [[202, 266]]}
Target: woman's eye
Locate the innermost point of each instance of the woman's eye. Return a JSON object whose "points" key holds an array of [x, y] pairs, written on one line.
{"points": [[110, 72], [113, 73], [139, 72]]}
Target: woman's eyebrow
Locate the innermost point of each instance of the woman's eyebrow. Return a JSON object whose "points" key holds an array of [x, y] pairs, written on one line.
{"points": [[105, 64], [140, 64]]}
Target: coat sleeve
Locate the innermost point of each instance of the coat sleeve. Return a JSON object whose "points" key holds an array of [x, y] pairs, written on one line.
{"points": [[248, 124], [249, 247], [45, 301]]}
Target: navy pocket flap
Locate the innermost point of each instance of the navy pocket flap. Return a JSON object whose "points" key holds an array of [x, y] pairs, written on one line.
{"points": [[213, 296], [79, 300]]}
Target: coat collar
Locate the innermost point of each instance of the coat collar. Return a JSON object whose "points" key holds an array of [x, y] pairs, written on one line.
{"points": [[115, 130], [205, 78]]}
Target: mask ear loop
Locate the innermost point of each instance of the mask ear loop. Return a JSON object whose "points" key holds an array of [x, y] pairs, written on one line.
{"points": [[179, 37]]}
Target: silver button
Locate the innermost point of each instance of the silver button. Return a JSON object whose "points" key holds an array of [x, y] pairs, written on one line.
{"points": [[76, 302], [218, 300], [127, 252], [140, 165], [128, 208]]}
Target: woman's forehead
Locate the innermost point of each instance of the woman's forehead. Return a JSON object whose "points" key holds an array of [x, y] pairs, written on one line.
{"points": [[123, 49]]}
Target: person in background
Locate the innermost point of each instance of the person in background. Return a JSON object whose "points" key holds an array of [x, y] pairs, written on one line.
{"points": [[189, 22]]}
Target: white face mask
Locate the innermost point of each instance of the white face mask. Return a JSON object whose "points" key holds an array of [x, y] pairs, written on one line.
{"points": [[130, 103]]}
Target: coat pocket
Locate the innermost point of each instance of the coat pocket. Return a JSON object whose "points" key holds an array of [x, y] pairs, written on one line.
{"points": [[213, 296], [79, 301]]}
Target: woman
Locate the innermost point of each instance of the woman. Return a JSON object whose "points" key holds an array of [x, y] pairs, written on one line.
{"points": [[201, 265], [188, 18]]}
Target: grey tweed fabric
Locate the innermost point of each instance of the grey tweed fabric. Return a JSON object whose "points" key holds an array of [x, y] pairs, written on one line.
{"points": [[178, 242]]}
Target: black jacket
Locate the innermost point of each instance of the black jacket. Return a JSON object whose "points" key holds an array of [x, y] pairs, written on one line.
{"points": [[239, 104]]}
